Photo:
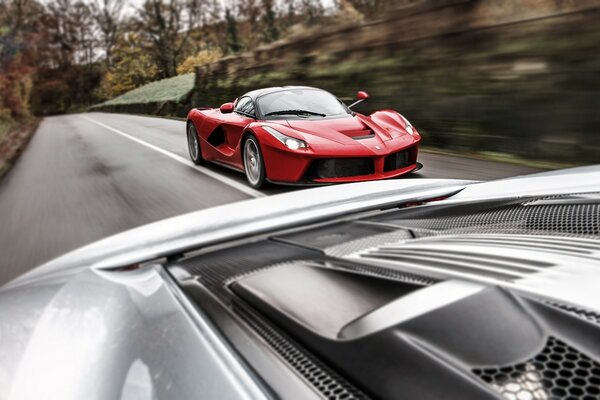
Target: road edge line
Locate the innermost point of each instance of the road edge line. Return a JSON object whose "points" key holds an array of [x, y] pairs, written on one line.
{"points": [[223, 179]]}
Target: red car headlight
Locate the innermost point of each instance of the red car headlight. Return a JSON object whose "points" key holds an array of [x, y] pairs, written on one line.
{"points": [[408, 127], [288, 141]]}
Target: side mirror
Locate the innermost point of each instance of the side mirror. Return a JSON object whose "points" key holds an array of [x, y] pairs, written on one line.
{"points": [[360, 97], [226, 108]]}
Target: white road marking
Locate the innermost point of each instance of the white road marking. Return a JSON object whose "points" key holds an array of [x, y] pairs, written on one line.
{"points": [[228, 181]]}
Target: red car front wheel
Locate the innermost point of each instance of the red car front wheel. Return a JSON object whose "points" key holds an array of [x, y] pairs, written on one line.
{"points": [[194, 145], [254, 166]]}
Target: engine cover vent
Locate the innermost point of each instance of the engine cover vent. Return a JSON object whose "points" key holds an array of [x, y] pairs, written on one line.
{"points": [[544, 217], [579, 312], [498, 259], [558, 372]]}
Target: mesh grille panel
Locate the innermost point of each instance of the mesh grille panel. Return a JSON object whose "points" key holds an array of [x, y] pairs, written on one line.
{"points": [[555, 219], [384, 273], [353, 246], [584, 314], [331, 385], [557, 372], [216, 270]]}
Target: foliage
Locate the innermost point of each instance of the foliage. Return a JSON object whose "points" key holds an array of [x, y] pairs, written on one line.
{"points": [[56, 91], [201, 58], [68, 36], [377, 8], [6, 125], [233, 42], [167, 25], [170, 89], [348, 14], [270, 31], [107, 14], [61, 55], [132, 67], [18, 30]]}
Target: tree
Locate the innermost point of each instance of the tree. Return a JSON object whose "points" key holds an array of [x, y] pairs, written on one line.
{"points": [[347, 14], [312, 10], [167, 24], [19, 32], [232, 42], [270, 32], [133, 66], [375, 8], [201, 58], [107, 16], [68, 35], [250, 14]]}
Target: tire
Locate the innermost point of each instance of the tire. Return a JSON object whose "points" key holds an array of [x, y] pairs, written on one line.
{"points": [[194, 145], [254, 165]]}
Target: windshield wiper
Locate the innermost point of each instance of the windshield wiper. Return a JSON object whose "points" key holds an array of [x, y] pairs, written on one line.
{"points": [[298, 112]]}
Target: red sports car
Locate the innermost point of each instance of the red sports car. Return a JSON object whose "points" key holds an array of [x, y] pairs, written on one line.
{"points": [[302, 135]]}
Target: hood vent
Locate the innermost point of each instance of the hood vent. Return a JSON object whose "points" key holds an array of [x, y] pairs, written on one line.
{"points": [[558, 372], [454, 262], [568, 246], [462, 255], [504, 258], [364, 132], [360, 134]]}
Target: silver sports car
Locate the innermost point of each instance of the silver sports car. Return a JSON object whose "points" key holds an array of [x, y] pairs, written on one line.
{"points": [[404, 289]]}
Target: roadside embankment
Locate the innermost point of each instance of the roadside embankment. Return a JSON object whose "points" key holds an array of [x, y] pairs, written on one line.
{"points": [[167, 97], [13, 139]]}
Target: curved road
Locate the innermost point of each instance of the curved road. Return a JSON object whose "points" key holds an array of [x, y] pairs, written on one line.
{"points": [[87, 176]]}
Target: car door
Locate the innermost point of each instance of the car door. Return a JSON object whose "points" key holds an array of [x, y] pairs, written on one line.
{"points": [[233, 125]]}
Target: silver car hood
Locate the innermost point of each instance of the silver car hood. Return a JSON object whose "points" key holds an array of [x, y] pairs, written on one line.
{"points": [[237, 220], [75, 328], [240, 219]]}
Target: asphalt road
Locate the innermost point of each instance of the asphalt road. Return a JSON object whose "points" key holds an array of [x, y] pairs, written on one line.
{"points": [[87, 176]]}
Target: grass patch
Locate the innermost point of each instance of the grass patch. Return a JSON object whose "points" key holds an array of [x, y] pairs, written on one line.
{"points": [[171, 89]]}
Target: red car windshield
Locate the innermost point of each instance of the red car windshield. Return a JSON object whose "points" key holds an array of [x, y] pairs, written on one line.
{"points": [[312, 101]]}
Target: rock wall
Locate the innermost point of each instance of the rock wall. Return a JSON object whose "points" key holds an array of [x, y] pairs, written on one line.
{"points": [[516, 77]]}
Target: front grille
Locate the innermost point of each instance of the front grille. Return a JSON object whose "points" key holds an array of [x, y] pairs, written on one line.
{"points": [[400, 159], [558, 372], [340, 168]]}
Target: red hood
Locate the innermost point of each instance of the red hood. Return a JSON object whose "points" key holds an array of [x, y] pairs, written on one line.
{"points": [[343, 130]]}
